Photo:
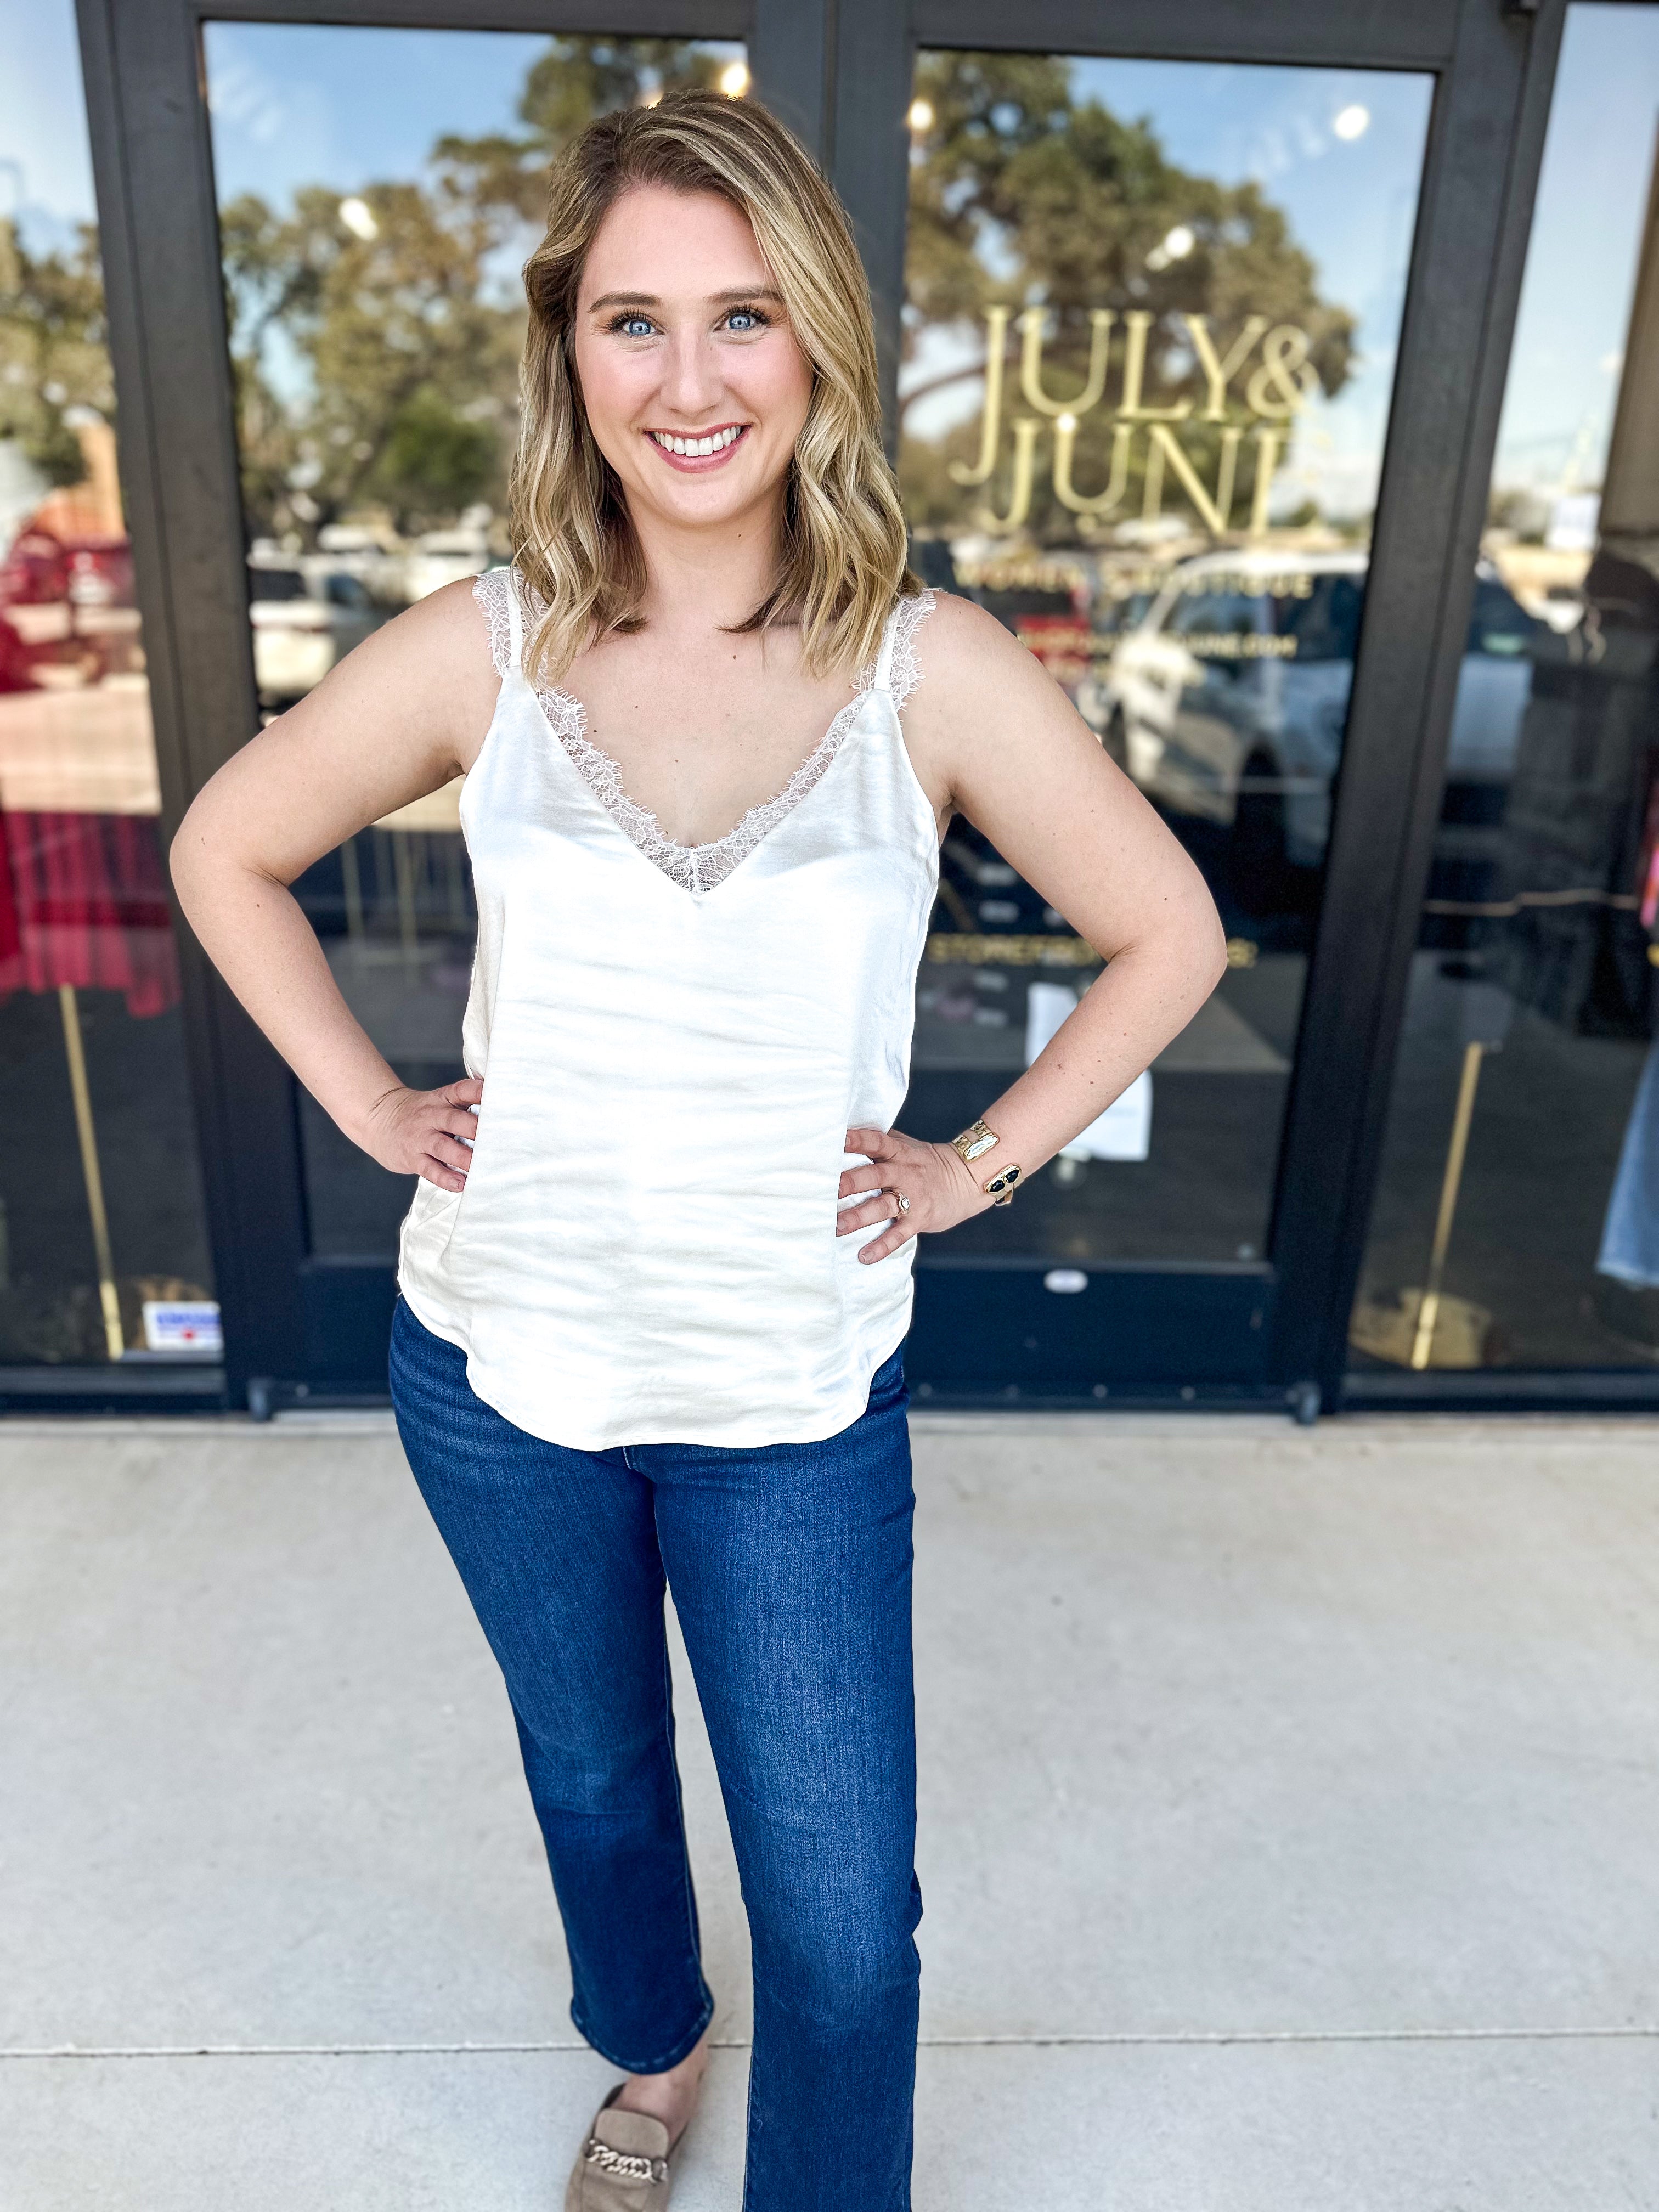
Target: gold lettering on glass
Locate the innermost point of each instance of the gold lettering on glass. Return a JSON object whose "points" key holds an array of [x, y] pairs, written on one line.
{"points": [[1220, 369], [1214, 514], [1031, 363], [1285, 383], [1281, 385], [1100, 502], [996, 340], [1268, 444], [1136, 323], [1019, 496]]}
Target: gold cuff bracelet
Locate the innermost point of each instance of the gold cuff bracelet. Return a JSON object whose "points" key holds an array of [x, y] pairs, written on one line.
{"points": [[974, 1141]]}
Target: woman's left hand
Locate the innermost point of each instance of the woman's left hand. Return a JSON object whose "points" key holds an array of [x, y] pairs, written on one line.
{"points": [[916, 1187]]}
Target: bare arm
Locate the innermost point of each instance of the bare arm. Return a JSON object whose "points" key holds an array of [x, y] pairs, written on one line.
{"points": [[994, 738], [398, 717]]}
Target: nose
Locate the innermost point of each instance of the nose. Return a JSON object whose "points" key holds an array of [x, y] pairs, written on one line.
{"points": [[692, 382]]}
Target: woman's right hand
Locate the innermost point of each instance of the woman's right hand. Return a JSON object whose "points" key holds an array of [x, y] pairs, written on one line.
{"points": [[426, 1133]]}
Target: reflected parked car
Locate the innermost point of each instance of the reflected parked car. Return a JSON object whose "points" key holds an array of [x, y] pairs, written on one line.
{"points": [[444, 557], [302, 624], [1229, 700]]}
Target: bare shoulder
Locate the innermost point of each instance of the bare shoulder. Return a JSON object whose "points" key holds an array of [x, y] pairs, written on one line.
{"points": [[959, 635], [977, 683], [443, 638], [966, 657], [449, 626]]}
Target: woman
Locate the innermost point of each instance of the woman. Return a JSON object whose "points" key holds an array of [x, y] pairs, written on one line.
{"points": [[657, 1272]]}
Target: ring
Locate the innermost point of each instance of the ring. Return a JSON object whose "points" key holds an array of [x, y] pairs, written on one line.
{"points": [[901, 1202]]}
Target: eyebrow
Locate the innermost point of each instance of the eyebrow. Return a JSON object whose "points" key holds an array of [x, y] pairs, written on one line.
{"points": [[715, 298]]}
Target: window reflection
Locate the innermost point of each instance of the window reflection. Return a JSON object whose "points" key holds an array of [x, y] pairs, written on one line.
{"points": [[378, 191], [1152, 310], [102, 1247], [1517, 1219]]}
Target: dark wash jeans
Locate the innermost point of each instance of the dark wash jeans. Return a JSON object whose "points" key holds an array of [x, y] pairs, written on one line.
{"points": [[790, 1568]]}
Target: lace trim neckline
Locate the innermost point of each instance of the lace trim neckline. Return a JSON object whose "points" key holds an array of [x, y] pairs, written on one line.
{"points": [[695, 868], [698, 868]]}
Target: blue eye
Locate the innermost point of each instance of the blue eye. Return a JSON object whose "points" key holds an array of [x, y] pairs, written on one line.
{"points": [[635, 326], [746, 318]]}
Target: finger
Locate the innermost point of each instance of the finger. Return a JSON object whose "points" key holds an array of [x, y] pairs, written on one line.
{"points": [[467, 1092], [900, 1234], [458, 1122], [855, 1179], [860, 1217], [450, 1151], [875, 1144], [445, 1178]]}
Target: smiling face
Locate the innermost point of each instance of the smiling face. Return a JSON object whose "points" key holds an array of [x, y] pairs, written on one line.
{"points": [[694, 386]]}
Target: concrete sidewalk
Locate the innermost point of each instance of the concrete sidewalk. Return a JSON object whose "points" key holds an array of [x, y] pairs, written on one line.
{"points": [[1290, 1801]]}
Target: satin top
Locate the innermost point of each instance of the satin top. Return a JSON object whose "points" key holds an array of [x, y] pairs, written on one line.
{"points": [[673, 1041]]}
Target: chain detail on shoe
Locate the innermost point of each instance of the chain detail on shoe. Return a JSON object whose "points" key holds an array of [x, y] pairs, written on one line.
{"points": [[623, 2165]]}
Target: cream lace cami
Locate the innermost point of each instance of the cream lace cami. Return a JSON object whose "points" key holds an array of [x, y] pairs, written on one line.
{"points": [[673, 1041]]}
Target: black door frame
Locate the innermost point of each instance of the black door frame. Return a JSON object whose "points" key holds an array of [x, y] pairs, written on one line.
{"points": [[840, 72]]}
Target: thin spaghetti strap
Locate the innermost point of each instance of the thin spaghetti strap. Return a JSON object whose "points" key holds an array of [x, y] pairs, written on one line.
{"points": [[897, 672], [514, 622], [884, 658]]}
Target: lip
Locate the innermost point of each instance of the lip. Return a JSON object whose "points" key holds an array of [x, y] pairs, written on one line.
{"points": [[689, 465]]}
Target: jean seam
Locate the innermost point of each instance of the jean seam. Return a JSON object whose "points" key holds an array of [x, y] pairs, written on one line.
{"points": [[693, 1944]]}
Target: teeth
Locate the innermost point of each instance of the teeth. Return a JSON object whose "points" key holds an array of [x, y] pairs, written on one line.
{"points": [[697, 448]]}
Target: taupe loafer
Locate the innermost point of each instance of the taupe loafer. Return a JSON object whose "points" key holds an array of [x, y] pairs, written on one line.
{"points": [[623, 2166]]}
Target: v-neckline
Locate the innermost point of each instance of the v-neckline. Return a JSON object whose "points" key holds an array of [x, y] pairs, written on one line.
{"points": [[696, 869]]}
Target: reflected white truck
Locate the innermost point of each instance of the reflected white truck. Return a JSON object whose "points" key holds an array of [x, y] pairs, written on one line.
{"points": [[1229, 699], [303, 622]]}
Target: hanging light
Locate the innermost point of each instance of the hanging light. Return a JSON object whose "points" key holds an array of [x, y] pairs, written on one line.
{"points": [[734, 80]]}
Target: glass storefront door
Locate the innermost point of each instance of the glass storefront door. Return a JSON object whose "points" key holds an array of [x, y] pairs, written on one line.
{"points": [[103, 1245], [378, 192], [1517, 1223], [1146, 343], [1152, 310]]}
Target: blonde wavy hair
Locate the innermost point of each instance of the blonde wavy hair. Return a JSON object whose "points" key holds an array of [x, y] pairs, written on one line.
{"points": [[841, 552]]}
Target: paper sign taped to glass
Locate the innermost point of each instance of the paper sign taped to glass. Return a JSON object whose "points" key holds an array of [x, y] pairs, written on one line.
{"points": [[1124, 1131]]}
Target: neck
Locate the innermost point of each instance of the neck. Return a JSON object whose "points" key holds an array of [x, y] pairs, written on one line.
{"points": [[710, 577]]}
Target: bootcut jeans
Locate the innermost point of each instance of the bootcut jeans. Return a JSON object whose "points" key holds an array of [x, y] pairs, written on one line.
{"points": [[790, 1569]]}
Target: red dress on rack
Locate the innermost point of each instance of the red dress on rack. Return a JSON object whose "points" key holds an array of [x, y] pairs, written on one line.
{"points": [[84, 901]]}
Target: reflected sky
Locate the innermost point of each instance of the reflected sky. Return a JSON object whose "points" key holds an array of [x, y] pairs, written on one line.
{"points": [[1349, 193], [1581, 261], [46, 169], [292, 102]]}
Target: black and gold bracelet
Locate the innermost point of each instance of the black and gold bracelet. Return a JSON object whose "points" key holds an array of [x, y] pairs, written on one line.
{"points": [[1000, 1189]]}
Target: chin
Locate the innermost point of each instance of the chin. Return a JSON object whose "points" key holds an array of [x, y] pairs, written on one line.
{"points": [[708, 500]]}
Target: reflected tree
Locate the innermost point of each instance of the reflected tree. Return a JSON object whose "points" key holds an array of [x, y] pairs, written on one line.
{"points": [[376, 335], [53, 354]]}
